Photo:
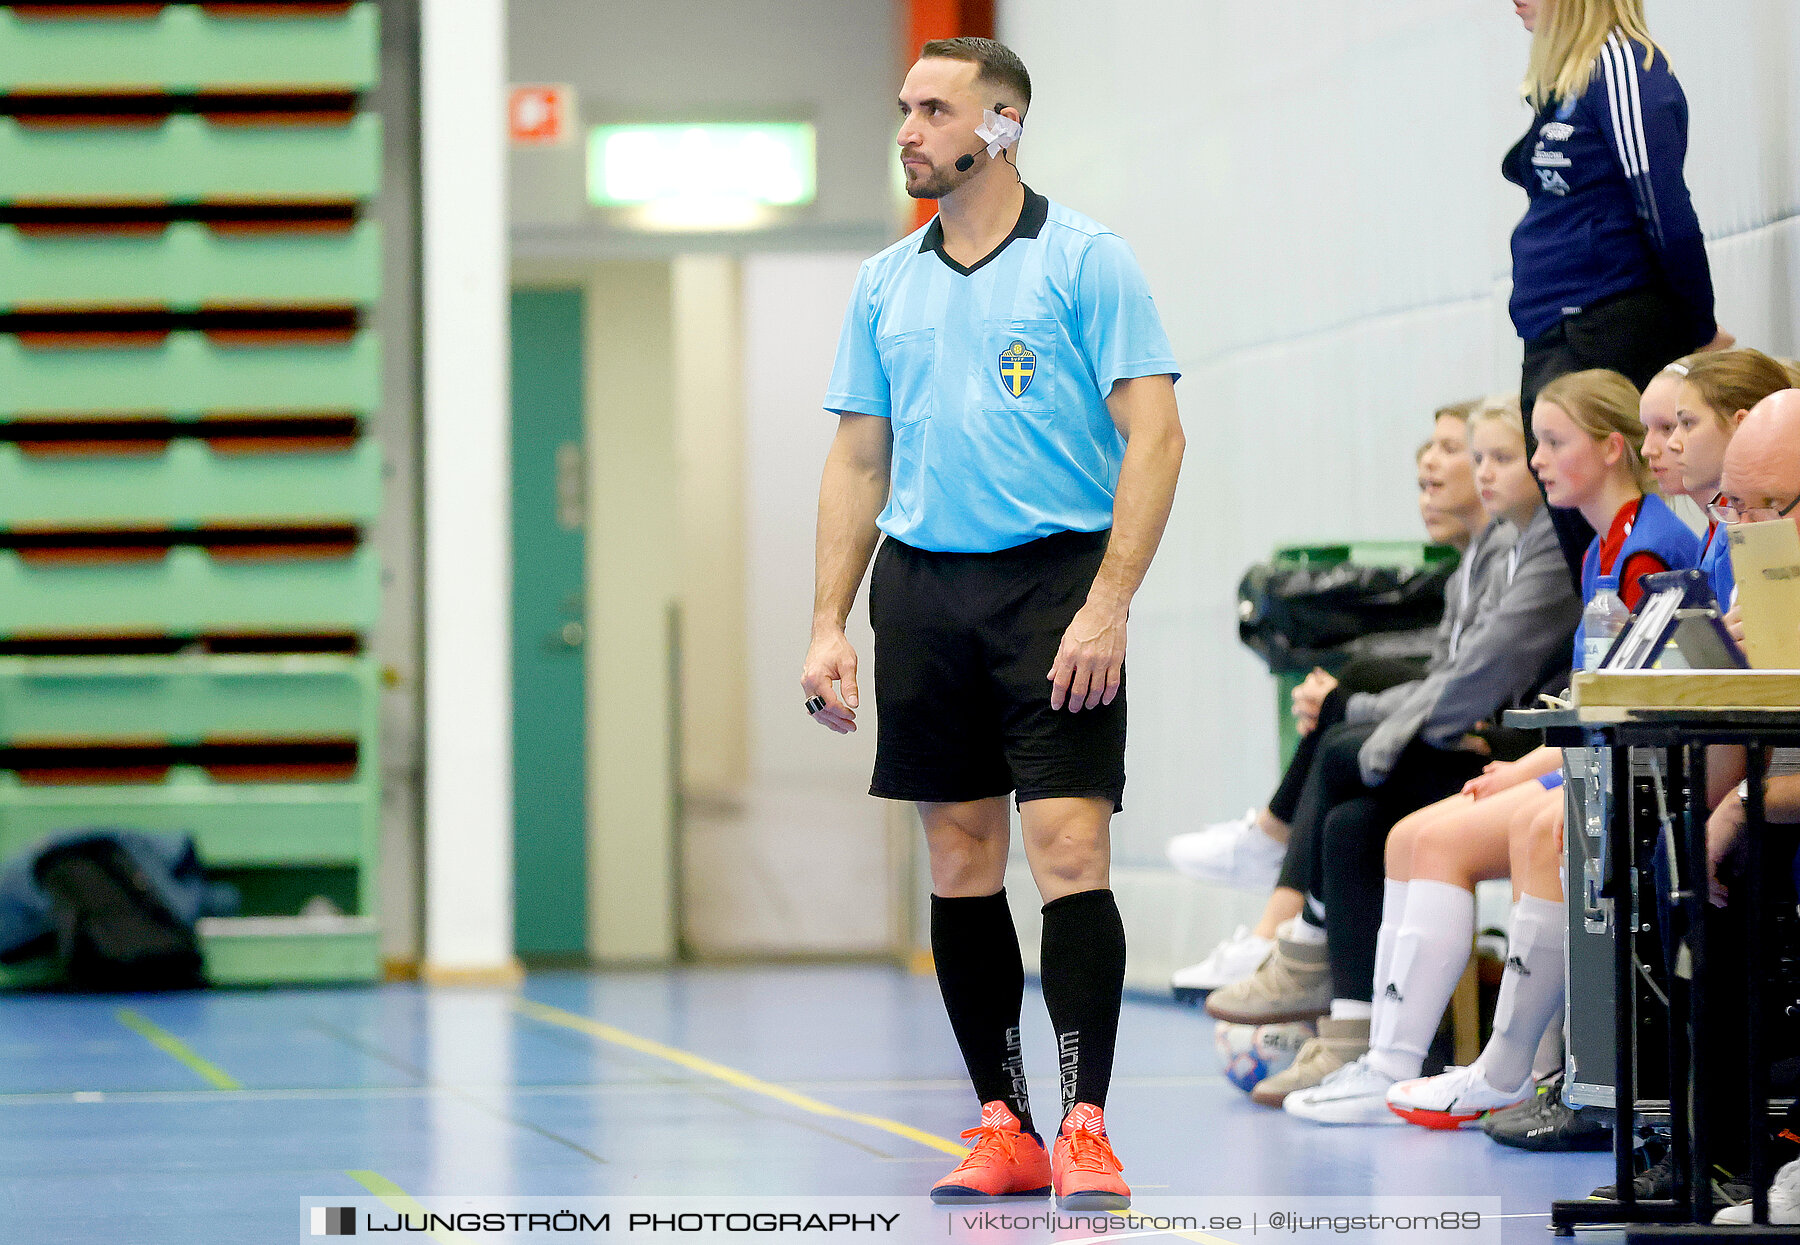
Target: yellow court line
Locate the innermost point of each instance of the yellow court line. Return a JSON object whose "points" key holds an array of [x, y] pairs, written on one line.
{"points": [[399, 1199], [731, 1076], [175, 1048]]}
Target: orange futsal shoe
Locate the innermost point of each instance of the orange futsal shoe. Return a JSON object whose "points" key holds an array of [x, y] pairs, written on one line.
{"points": [[1083, 1168], [1004, 1162]]}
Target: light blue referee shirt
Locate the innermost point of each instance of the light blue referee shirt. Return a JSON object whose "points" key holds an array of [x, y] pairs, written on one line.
{"points": [[995, 378]]}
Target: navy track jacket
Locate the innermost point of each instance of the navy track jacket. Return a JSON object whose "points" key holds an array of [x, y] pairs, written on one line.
{"points": [[1609, 210]]}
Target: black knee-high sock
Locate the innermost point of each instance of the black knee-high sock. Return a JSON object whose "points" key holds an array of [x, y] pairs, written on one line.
{"points": [[1084, 979], [982, 977]]}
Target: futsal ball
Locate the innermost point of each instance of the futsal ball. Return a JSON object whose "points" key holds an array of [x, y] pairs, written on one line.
{"points": [[1252, 1053]]}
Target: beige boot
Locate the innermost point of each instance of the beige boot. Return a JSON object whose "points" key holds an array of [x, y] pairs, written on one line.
{"points": [[1339, 1042], [1292, 983]]}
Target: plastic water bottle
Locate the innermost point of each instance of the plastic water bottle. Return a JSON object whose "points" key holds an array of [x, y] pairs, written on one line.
{"points": [[1602, 622]]}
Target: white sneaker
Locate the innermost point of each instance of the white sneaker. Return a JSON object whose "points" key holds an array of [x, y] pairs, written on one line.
{"points": [[1355, 1094], [1231, 961], [1452, 1098], [1784, 1199], [1232, 853]]}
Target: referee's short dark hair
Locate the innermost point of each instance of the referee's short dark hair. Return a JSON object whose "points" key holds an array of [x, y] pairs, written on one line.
{"points": [[999, 64]]}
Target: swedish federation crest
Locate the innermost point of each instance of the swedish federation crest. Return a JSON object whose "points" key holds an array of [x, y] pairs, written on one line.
{"points": [[1017, 366]]}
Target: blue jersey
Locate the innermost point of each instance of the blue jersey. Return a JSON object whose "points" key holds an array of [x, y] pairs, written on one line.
{"points": [[1715, 560], [995, 378], [1609, 210], [1653, 529]]}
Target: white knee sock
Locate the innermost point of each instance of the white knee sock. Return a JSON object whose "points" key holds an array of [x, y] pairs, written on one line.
{"points": [[1431, 947], [1530, 992], [1393, 908]]}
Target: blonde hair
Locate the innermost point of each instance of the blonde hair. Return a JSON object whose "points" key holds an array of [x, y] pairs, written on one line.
{"points": [[1499, 408], [1601, 402], [1568, 39], [1729, 381], [1793, 371], [1455, 410]]}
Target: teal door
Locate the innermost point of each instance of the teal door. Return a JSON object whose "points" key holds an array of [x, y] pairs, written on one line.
{"points": [[548, 598]]}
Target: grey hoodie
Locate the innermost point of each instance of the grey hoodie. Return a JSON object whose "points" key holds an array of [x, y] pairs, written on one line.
{"points": [[1517, 627]]}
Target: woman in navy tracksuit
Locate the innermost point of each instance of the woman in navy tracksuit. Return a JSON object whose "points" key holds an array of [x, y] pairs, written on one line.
{"points": [[1609, 265]]}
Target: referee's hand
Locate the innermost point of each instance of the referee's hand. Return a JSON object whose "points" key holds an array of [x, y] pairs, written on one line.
{"points": [[1090, 662], [830, 660]]}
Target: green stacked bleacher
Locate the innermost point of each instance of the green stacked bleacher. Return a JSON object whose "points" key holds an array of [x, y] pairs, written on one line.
{"points": [[188, 484]]}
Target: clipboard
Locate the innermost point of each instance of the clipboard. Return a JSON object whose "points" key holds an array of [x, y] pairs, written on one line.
{"points": [[1765, 559]]}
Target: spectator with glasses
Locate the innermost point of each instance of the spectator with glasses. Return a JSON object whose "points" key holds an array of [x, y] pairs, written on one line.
{"points": [[1715, 394], [1760, 483]]}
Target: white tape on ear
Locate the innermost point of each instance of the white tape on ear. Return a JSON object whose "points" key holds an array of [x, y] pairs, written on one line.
{"points": [[998, 132]]}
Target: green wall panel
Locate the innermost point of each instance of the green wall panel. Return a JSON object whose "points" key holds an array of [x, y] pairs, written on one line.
{"points": [[283, 834], [189, 374], [232, 824], [188, 265], [189, 484], [187, 158], [185, 699], [189, 592], [182, 48], [264, 951]]}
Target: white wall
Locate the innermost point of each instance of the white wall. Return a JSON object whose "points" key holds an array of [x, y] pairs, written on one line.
{"points": [[396, 640], [1314, 192], [706, 310], [804, 865], [632, 578], [822, 61], [468, 556]]}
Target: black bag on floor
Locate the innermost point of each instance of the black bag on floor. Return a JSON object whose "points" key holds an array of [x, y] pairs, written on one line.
{"points": [[1295, 617], [113, 931]]}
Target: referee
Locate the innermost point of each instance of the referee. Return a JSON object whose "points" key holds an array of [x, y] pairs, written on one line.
{"points": [[1006, 416]]}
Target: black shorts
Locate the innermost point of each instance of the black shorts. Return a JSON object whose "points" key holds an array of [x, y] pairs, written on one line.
{"points": [[963, 645]]}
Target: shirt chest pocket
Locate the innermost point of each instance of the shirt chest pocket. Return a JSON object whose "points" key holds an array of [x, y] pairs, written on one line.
{"points": [[910, 361], [1020, 367]]}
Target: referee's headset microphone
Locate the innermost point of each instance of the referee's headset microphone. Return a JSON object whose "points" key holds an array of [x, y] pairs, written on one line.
{"points": [[966, 162]]}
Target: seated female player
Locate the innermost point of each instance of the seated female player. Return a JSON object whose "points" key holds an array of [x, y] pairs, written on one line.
{"points": [[1247, 853], [1716, 391], [1588, 459], [1423, 747]]}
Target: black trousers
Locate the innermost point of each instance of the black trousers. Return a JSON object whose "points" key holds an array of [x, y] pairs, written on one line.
{"points": [[1350, 842], [1300, 867], [1365, 674], [1632, 333]]}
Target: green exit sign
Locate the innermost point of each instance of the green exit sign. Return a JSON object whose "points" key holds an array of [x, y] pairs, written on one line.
{"points": [[714, 175]]}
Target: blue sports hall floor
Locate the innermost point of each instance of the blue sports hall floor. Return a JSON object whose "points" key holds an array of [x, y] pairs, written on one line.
{"points": [[217, 1116]]}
